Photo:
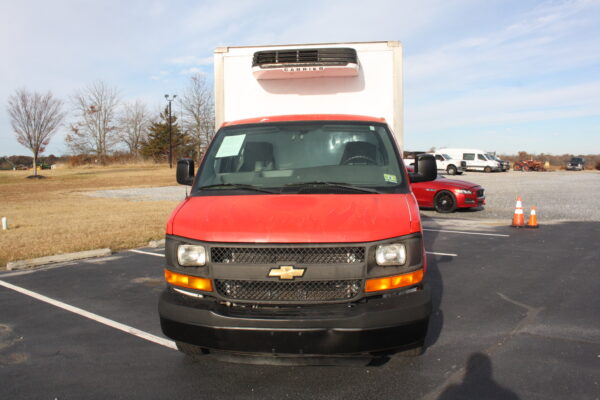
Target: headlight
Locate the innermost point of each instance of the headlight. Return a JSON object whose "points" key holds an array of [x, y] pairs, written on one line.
{"points": [[463, 191], [390, 254], [191, 255]]}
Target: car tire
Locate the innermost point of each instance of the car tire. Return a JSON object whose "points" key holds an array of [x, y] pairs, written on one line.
{"points": [[451, 170], [444, 202], [487, 170], [191, 350]]}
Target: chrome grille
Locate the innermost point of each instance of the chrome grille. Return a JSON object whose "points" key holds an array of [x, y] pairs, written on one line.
{"points": [[301, 291], [298, 255]]}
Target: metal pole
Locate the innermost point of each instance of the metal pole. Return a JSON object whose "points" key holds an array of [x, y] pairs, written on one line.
{"points": [[170, 129], [170, 137]]}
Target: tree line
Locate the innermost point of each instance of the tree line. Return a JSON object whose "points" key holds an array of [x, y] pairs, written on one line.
{"points": [[101, 124]]}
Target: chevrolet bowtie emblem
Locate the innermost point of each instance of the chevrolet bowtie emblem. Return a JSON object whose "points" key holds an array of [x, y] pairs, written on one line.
{"points": [[286, 272]]}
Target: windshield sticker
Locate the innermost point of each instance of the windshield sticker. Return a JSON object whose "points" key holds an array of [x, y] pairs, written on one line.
{"points": [[390, 178], [231, 145], [372, 127]]}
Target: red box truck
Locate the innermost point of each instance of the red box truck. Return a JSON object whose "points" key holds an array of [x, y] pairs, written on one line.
{"points": [[301, 235]]}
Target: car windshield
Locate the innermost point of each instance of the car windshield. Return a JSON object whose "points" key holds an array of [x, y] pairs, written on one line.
{"points": [[491, 157], [303, 157], [446, 156]]}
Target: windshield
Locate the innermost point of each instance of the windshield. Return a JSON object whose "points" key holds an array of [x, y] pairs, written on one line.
{"points": [[288, 157], [446, 156]]}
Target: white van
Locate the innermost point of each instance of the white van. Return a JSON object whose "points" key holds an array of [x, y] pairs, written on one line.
{"points": [[475, 159], [445, 162]]}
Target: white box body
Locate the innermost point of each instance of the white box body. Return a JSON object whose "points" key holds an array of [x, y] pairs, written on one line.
{"points": [[374, 90]]}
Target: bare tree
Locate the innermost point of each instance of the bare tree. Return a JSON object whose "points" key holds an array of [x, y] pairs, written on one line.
{"points": [[198, 112], [95, 130], [35, 118], [133, 125]]}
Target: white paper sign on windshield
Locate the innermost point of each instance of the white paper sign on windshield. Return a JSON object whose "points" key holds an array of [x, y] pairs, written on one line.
{"points": [[230, 147]]}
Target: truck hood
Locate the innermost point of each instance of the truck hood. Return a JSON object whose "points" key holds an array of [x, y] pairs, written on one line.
{"points": [[323, 218]]}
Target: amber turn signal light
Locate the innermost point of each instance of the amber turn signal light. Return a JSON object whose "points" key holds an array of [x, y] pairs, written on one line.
{"points": [[187, 281], [394, 282]]}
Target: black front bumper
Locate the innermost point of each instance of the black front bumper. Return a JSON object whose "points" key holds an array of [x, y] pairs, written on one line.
{"points": [[375, 324]]}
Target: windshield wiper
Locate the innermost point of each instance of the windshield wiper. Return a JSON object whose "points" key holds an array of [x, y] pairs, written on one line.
{"points": [[237, 186], [332, 184]]}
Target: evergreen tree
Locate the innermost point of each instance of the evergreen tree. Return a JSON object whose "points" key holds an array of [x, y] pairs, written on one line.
{"points": [[156, 146]]}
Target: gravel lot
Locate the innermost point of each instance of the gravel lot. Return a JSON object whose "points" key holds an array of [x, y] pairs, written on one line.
{"points": [[558, 196]]}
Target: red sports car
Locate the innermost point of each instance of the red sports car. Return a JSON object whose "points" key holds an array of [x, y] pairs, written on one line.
{"points": [[446, 195]]}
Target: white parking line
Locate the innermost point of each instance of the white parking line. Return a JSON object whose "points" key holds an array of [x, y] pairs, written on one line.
{"points": [[467, 233], [113, 324], [147, 252], [442, 254]]}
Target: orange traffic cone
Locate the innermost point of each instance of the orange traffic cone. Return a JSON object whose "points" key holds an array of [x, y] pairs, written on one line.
{"points": [[518, 217], [532, 222]]}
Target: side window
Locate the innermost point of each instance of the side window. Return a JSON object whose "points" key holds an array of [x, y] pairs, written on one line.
{"points": [[469, 156], [481, 157], [439, 158]]}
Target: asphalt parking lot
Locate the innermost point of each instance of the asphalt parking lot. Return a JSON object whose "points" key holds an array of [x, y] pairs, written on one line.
{"points": [[516, 316]]}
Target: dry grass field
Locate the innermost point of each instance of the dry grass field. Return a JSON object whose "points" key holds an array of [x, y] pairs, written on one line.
{"points": [[51, 216]]}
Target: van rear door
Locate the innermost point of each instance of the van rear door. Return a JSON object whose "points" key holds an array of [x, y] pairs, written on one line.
{"points": [[471, 160]]}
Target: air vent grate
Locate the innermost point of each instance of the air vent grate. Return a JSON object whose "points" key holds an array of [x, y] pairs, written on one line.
{"points": [[336, 56]]}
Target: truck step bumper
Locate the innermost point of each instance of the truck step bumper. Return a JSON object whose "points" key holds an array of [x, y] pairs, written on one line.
{"points": [[306, 342], [375, 325]]}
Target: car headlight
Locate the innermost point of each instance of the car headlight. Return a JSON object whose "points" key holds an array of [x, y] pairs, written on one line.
{"points": [[191, 255], [463, 191], [390, 254]]}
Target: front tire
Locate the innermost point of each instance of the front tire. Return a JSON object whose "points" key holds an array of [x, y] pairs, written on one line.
{"points": [[444, 202], [451, 170], [487, 170]]}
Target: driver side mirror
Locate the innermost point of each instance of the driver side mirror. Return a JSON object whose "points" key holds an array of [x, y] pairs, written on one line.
{"points": [[185, 171], [425, 169]]}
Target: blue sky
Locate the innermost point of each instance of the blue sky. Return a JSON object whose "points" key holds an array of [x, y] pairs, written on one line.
{"points": [[498, 75]]}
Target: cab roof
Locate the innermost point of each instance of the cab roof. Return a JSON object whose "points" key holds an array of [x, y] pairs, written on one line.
{"points": [[306, 117]]}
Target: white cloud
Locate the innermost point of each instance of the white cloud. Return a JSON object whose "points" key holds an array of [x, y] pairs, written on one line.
{"points": [[214, 17], [551, 38], [160, 75], [503, 106], [533, 70], [191, 60], [192, 71]]}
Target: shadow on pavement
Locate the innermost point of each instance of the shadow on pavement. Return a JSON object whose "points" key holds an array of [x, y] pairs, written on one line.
{"points": [[478, 383], [435, 280]]}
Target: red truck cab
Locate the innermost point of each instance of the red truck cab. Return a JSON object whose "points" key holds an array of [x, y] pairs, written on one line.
{"points": [[300, 236]]}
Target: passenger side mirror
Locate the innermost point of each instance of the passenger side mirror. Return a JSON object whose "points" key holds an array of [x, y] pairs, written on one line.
{"points": [[425, 169], [185, 171]]}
